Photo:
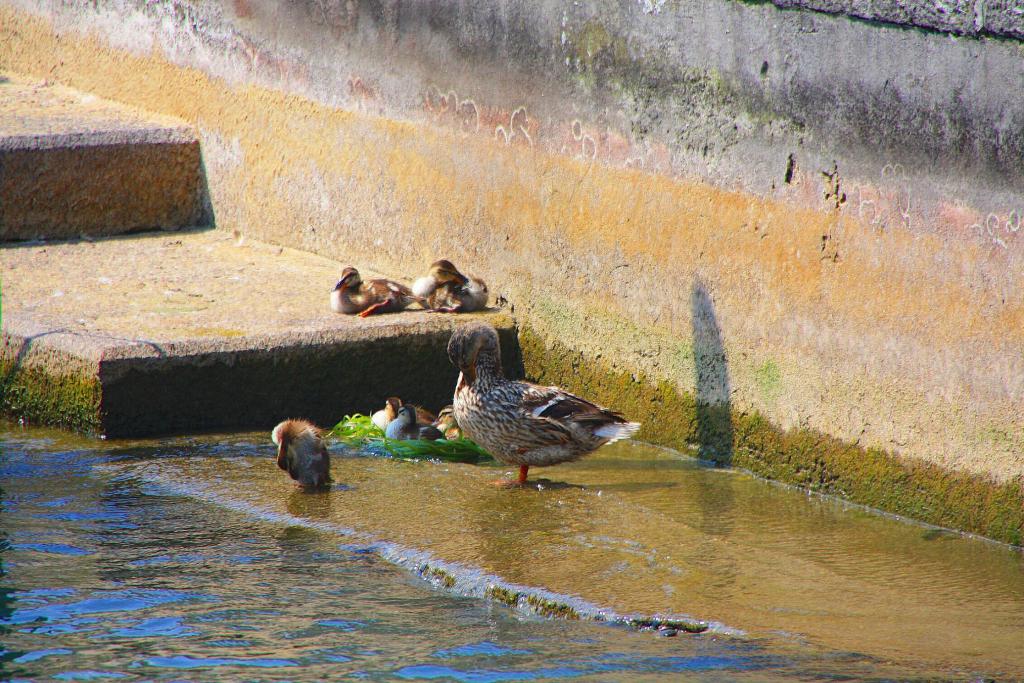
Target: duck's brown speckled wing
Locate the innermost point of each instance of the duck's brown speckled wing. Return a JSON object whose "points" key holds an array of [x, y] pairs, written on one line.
{"points": [[555, 404], [395, 295], [385, 288]]}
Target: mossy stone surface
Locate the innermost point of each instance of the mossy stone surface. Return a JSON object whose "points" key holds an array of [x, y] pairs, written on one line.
{"points": [[815, 461], [67, 395]]}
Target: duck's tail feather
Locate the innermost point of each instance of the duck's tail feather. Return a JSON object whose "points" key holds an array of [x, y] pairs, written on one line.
{"points": [[614, 431]]}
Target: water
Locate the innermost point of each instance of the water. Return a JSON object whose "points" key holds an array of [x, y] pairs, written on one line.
{"points": [[195, 558]]}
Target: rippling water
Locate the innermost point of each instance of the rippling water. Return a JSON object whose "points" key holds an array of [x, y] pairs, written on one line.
{"points": [[191, 559]]}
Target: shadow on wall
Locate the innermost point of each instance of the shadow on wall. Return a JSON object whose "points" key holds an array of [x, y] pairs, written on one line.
{"points": [[206, 218], [714, 425]]}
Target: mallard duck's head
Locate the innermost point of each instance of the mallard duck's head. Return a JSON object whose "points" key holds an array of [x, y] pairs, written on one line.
{"points": [[444, 271], [349, 278], [471, 342]]}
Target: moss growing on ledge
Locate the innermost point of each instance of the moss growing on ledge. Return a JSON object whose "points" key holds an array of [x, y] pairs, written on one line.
{"points": [[552, 608], [503, 595], [68, 401], [677, 624], [815, 461]]}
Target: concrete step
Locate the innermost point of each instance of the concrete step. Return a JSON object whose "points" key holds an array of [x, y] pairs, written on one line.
{"points": [[72, 164], [180, 333]]}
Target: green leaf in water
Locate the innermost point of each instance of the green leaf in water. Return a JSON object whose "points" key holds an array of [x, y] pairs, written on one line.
{"points": [[360, 432]]}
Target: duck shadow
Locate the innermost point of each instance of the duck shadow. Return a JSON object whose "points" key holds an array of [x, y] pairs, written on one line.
{"points": [[307, 503], [551, 485]]}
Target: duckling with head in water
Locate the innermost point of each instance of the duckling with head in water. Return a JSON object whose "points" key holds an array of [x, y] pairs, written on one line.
{"points": [[446, 290], [354, 296], [404, 427], [302, 454], [521, 423]]}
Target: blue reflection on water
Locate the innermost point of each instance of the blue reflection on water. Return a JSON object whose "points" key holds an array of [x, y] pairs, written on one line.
{"points": [[187, 662], [40, 654], [101, 602], [484, 648], [52, 548]]}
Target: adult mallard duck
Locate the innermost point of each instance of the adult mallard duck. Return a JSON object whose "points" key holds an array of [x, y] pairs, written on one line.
{"points": [[520, 423], [301, 453], [446, 290], [352, 295]]}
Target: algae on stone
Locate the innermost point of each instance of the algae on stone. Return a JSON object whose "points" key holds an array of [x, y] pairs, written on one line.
{"points": [[818, 462]]}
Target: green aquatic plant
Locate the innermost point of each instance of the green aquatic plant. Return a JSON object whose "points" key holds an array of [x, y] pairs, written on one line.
{"points": [[359, 431]]}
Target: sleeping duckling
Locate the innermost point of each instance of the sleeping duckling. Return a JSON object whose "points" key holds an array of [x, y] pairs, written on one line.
{"points": [[404, 427], [383, 417], [389, 412], [447, 425], [466, 298], [301, 453], [446, 290], [441, 273], [351, 295]]}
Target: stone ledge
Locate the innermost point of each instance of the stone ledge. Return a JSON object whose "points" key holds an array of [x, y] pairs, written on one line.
{"points": [[110, 359], [74, 165]]}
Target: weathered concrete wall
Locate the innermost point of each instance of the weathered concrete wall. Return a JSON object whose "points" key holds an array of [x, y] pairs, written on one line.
{"points": [[780, 211], [1004, 18]]}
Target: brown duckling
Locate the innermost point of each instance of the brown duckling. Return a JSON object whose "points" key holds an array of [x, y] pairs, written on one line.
{"points": [[405, 427], [446, 290], [301, 453], [383, 417], [447, 424], [352, 295]]}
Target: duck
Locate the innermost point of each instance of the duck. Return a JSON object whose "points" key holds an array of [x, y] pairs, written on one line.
{"points": [[447, 424], [389, 412], [446, 290], [352, 295], [405, 427], [302, 454], [521, 423]]}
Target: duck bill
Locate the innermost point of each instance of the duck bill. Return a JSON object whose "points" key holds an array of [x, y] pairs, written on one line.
{"points": [[282, 454], [469, 373]]}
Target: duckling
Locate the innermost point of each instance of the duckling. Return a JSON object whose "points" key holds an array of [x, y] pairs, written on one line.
{"points": [[446, 290], [383, 417], [520, 423], [352, 295], [447, 424], [405, 427], [301, 453], [467, 298], [441, 272]]}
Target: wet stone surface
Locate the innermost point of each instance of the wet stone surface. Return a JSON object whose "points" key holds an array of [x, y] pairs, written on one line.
{"points": [[193, 558]]}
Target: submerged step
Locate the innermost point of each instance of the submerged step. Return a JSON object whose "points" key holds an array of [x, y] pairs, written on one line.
{"points": [[639, 535], [164, 334], [72, 165]]}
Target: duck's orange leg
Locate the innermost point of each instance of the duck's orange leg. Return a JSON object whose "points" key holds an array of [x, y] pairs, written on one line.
{"points": [[509, 484], [373, 309]]}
